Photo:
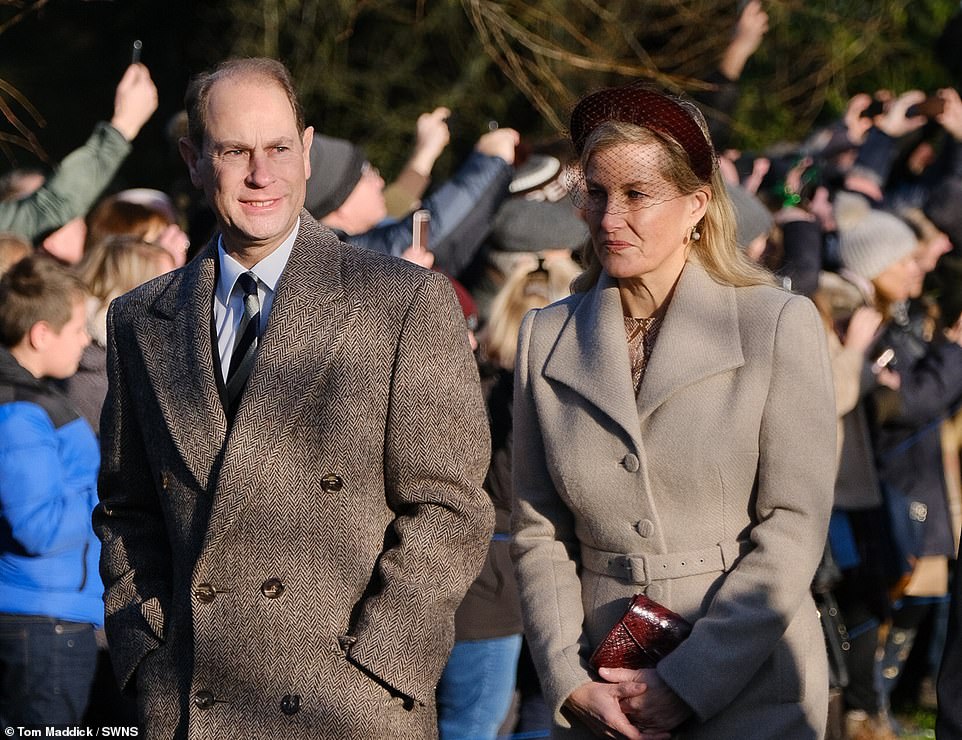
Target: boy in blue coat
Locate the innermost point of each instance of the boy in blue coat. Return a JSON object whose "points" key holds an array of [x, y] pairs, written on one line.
{"points": [[50, 589]]}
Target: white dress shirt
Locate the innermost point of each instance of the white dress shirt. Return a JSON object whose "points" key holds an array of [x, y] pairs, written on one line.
{"points": [[229, 303]]}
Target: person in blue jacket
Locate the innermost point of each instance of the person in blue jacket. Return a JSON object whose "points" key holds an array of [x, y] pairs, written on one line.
{"points": [[346, 194], [50, 588]]}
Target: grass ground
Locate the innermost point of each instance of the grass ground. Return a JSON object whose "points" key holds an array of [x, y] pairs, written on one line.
{"points": [[917, 723]]}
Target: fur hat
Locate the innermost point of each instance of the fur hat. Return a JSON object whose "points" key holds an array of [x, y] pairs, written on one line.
{"points": [[335, 170], [871, 244]]}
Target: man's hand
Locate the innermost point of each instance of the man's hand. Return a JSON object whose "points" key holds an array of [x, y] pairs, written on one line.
{"points": [[658, 710], [501, 142], [895, 120], [419, 256], [134, 101]]}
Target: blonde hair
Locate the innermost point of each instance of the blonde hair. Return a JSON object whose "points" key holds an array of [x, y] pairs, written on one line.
{"points": [[13, 248], [115, 265], [717, 249], [533, 283]]}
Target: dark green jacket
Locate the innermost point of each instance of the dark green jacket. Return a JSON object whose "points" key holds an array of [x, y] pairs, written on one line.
{"points": [[72, 189]]}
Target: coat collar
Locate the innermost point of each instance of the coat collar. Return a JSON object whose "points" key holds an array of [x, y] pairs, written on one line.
{"points": [[699, 337]]}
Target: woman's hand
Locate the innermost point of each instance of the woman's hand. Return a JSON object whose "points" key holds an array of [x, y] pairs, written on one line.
{"points": [[598, 706], [658, 710]]}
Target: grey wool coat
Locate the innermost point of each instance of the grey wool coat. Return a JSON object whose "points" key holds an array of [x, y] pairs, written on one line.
{"points": [[297, 574], [711, 492]]}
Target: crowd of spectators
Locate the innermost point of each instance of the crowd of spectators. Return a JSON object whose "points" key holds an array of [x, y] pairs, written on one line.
{"points": [[864, 217]]}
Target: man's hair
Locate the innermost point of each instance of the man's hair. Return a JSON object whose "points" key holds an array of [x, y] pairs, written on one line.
{"points": [[198, 91], [37, 288]]}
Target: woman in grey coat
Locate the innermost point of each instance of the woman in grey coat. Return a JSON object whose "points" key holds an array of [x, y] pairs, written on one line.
{"points": [[674, 435]]}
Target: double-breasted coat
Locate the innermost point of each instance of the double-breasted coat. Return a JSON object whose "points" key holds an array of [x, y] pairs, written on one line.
{"points": [[294, 574], [710, 491]]}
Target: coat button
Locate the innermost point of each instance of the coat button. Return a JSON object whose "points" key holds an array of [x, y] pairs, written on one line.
{"points": [[205, 593], [630, 463], [331, 483], [918, 512], [164, 480], [291, 704], [203, 700], [645, 527], [272, 588]]}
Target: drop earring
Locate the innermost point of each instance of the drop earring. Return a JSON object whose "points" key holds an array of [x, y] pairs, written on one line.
{"points": [[695, 233]]}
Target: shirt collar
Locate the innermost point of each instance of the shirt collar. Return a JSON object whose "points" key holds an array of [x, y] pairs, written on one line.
{"points": [[268, 270]]}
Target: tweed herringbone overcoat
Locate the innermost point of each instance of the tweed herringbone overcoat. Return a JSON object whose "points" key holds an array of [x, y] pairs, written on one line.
{"points": [[295, 574], [711, 492]]}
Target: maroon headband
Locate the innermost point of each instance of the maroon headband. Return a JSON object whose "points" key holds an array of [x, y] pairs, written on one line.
{"points": [[642, 105]]}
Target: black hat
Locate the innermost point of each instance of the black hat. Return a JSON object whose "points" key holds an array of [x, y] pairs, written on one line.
{"points": [[531, 225], [336, 167], [539, 214]]}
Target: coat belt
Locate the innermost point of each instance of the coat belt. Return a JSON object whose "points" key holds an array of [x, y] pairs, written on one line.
{"points": [[643, 568]]}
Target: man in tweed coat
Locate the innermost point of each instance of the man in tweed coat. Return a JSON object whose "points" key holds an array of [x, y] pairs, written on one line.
{"points": [[286, 561]]}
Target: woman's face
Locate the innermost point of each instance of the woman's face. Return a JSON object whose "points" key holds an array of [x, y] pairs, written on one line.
{"points": [[896, 282], [639, 222]]}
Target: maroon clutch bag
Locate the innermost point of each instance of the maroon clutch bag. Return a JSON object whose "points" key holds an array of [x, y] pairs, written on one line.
{"points": [[644, 635]]}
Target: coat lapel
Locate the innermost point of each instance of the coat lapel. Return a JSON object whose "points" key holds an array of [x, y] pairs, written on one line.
{"points": [[698, 338], [175, 339], [591, 356], [305, 324]]}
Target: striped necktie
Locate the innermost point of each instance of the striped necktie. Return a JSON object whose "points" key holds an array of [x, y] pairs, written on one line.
{"points": [[245, 340]]}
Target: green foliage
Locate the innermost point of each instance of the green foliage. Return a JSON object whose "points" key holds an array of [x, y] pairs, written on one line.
{"points": [[368, 68]]}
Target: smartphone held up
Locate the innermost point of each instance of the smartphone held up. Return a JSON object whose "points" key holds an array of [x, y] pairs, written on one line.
{"points": [[421, 229]]}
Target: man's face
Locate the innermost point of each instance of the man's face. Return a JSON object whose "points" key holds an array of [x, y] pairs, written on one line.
{"points": [[254, 163]]}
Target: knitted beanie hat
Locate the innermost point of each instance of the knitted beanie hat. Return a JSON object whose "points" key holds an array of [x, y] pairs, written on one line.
{"points": [[871, 244], [751, 216], [335, 170]]}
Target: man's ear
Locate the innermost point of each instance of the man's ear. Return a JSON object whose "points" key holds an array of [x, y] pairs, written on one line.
{"points": [[191, 158], [307, 139]]}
